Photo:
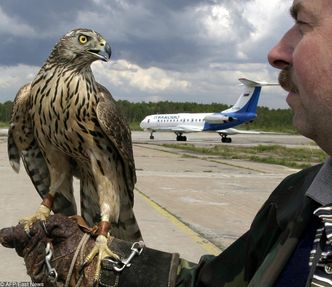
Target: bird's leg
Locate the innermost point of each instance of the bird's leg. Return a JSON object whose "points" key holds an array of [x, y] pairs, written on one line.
{"points": [[42, 213], [58, 177], [101, 249]]}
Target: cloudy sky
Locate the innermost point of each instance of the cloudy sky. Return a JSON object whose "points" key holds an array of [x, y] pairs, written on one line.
{"points": [[176, 50]]}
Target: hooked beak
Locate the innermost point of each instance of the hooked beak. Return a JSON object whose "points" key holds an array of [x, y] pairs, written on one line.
{"points": [[104, 53]]}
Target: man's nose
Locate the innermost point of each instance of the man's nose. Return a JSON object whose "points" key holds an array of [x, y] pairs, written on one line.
{"points": [[280, 56]]}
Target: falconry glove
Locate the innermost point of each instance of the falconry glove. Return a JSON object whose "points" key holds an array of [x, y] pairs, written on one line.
{"points": [[140, 266]]}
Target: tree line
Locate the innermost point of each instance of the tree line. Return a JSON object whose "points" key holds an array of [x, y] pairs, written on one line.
{"points": [[278, 120], [5, 111]]}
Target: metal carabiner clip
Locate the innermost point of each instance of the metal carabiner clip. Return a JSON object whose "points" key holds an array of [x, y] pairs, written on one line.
{"points": [[136, 249], [52, 274]]}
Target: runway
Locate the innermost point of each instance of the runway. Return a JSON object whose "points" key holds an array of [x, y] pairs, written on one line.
{"points": [[183, 204], [213, 139]]}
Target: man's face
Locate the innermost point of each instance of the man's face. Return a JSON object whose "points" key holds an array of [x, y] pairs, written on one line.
{"points": [[305, 55]]}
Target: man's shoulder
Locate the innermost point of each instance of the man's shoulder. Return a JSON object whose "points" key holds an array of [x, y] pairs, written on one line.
{"points": [[302, 178], [289, 198]]}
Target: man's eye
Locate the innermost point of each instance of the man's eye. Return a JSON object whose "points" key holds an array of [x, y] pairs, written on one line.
{"points": [[303, 26], [299, 22]]}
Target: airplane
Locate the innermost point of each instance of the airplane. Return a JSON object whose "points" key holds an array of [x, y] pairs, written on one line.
{"points": [[243, 111]]}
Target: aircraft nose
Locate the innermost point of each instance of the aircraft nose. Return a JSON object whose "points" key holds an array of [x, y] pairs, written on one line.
{"points": [[142, 124]]}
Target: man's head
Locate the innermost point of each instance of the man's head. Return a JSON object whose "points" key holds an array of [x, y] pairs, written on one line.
{"points": [[304, 55]]}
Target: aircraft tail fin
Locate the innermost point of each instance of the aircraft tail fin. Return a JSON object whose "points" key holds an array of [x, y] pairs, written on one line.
{"points": [[248, 100]]}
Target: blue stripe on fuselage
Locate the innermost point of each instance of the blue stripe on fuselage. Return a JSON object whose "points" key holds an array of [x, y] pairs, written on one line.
{"points": [[246, 114], [240, 118]]}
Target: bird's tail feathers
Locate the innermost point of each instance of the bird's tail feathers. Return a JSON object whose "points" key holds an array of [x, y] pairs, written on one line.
{"points": [[127, 227], [90, 209], [13, 152]]}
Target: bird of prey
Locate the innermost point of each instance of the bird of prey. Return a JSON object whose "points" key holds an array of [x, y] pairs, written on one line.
{"points": [[65, 124]]}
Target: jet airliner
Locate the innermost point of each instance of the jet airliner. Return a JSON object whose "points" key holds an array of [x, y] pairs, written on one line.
{"points": [[243, 111]]}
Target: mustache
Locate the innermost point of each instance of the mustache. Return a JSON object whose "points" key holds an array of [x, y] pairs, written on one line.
{"points": [[286, 82]]}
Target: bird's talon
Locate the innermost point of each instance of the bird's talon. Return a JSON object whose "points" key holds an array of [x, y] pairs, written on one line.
{"points": [[41, 214], [101, 249]]}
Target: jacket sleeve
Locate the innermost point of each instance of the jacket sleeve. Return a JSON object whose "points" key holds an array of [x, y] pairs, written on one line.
{"points": [[211, 270]]}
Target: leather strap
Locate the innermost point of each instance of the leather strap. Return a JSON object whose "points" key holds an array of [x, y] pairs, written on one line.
{"points": [[84, 226], [103, 228], [48, 201]]}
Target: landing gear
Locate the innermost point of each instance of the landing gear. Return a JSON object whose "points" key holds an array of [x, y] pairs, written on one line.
{"points": [[180, 137], [151, 136], [225, 139]]}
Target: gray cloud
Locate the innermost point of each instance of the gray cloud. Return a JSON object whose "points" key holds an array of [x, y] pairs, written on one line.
{"points": [[196, 41]]}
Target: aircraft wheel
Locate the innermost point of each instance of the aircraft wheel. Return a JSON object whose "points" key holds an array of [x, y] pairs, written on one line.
{"points": [[181, 138], [151, 137], [226, 140]]}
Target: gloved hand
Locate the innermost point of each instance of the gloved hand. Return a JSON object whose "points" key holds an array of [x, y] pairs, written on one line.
{"points": [[151, 268]]}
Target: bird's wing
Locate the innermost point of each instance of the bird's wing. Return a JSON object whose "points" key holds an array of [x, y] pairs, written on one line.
{"points": [[117, 130], [20, 134], [22, 144]]}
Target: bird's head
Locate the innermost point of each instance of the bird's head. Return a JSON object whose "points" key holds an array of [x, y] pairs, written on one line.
{"points": [[81, 46]]}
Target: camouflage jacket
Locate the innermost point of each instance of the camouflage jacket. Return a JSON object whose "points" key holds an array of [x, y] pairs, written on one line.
{"points": [[258, 256]]}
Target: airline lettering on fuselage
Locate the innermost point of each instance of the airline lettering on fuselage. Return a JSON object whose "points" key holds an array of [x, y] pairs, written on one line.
{"points": [[166, 117]]}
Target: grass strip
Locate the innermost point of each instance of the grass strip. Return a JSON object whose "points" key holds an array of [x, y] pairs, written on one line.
{"points": [[272, 154]]}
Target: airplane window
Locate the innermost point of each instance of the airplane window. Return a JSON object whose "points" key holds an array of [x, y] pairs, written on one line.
{"points": [[148, 120]]}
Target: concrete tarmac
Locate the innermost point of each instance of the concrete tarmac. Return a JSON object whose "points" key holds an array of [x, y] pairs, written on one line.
{"points": [[184, 204]]}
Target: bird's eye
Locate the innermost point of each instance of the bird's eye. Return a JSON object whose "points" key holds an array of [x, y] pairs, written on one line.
{"points": [[83, 39]]}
